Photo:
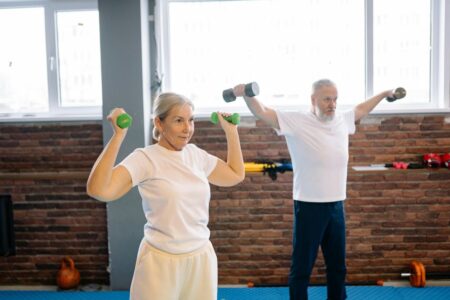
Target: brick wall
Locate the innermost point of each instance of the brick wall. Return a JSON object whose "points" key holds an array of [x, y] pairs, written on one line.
{"points": [[44, 168], [393, 216]]}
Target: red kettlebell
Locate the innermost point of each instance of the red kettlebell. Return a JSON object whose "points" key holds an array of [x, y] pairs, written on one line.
{"points": [[68, 276]]}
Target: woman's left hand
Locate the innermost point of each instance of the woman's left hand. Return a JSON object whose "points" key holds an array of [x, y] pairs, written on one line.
{"points": [[227, 126]]}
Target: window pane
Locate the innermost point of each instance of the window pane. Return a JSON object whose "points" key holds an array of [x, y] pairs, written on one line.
{"points": [[402, 47], [23, 68], [79, 58], [284, 45]]}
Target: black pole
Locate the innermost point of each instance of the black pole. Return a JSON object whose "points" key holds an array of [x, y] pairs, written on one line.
{"points": [[7, 238]]}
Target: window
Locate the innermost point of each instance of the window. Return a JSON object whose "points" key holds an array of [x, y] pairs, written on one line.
{"points": [[402, 47], [49, 59], [23, 69], [285, 45], [79, 58]]}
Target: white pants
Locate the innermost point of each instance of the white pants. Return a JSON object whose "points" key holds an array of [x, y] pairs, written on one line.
{"points": [[159, 275]]}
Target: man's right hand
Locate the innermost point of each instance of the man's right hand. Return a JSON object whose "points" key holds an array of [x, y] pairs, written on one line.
{"points": [[239, 90]]}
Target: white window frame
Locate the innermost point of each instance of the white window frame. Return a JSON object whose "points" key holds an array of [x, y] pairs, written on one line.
{"points": [[56, 112], [440, 62]]}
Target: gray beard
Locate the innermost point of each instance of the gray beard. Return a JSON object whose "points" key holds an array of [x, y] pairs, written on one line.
{"points": [[326, 119], [322, 117]]}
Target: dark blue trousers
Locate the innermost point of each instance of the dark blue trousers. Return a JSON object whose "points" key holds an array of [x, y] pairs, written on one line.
{"points": [[318, 224]]}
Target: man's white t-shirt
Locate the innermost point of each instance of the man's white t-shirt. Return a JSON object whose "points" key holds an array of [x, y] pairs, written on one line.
{"points": [[175, 195], [319, 154]]}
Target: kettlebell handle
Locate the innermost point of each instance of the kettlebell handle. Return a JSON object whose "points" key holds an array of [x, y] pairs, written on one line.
{"points": [[69, 261]]}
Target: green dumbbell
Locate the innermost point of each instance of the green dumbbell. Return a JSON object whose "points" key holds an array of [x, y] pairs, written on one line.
{"points": [[124, 120], [234, 118]]}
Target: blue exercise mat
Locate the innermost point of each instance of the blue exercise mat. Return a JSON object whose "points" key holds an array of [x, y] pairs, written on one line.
{"points": [[47, 295], [269, 293]]}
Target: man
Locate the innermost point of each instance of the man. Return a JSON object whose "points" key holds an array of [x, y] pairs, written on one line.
{"points": [[317, 141]]}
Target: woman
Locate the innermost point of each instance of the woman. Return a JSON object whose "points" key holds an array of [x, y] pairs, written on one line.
{"points": [[175, 259]]}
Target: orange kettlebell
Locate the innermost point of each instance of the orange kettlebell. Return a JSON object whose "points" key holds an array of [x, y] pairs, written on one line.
{"points": [[68, 276]]}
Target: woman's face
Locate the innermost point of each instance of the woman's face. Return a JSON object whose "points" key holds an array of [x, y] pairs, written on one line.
{"points": [[177, 128]]}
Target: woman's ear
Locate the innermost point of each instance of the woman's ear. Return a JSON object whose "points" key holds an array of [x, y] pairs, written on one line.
{"points": [[158, 123]]}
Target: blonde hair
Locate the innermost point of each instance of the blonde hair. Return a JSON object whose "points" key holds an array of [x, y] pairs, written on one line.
{"points": [[162, 106]]}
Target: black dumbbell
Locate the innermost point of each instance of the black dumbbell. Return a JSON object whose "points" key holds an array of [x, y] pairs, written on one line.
{"points": [[251, 90], [399, 93]]}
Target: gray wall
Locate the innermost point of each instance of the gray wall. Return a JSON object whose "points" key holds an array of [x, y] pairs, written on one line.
{"points": [[125, 57]]}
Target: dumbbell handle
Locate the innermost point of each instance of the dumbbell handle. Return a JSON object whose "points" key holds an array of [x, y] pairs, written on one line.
{"points": [[432, 275], [399, 93], [124, 120], [234, 118], [251, 90]]}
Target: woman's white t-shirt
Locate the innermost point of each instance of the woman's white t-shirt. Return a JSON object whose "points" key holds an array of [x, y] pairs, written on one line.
{"points": [[175, 195]]}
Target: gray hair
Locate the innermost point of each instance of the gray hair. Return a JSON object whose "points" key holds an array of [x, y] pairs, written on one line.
{"points": [[162, 106], [321, 83]]}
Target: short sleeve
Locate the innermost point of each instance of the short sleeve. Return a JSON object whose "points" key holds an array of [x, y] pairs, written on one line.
{"points": [[349, 119], [138, 165], [287, 120], [211, 164], [207, 161]]}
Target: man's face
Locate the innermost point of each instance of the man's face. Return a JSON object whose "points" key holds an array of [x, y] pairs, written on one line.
{"points": [[324, 102]]}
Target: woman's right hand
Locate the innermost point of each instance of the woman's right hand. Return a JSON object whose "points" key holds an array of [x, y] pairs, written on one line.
{"points": [[112, 118]]}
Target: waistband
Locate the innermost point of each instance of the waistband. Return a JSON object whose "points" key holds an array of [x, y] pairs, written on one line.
{"points": [[208, 245]]}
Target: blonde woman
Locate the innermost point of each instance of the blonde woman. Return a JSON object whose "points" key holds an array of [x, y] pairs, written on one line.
{"points": [[175, 260]]}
